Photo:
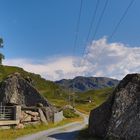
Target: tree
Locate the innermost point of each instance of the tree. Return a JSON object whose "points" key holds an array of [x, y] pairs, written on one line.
{"points": [[1, 55]]}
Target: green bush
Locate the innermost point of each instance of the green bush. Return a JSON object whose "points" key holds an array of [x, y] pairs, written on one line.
{"points": [[70, 113]]}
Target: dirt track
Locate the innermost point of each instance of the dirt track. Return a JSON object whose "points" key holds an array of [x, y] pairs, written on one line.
{"points": [[66, 132]]}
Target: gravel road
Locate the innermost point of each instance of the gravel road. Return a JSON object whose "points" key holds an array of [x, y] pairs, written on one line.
{"points": [[66, 132]]}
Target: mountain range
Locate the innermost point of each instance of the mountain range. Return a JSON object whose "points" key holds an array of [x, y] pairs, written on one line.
{"points": [[82, 84], [50, 89]]}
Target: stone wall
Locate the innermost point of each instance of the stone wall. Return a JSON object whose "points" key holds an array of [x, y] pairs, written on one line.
{"points": [[32, 115], [39, 115]]}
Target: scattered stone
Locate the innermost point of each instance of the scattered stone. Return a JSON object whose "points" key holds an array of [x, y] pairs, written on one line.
{"points": [[31, 123], [32, 113], [49, 114], [35, 118], [68, 107], [42, 116], [27, 118], [19, 126]]}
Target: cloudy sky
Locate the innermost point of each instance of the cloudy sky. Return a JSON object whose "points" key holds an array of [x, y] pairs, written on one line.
{"points": [[39, 37]]}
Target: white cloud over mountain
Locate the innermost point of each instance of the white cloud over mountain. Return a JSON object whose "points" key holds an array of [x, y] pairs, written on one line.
{"points": [[101, 59]]}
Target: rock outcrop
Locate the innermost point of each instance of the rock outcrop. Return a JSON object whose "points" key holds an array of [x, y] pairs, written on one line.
{"points": [[119, 117], [17, 90], [99, 119]]}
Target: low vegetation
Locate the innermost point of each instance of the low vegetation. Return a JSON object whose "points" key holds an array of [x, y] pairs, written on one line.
{"points": [[12, 134], [70, 113], [56, 95], [84, 102], [47, 88], [91, 99]]}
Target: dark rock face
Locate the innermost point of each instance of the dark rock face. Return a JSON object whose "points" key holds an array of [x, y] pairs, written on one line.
{"points": [[17, 90], [99, 119], [82, 84], [121, 114]]}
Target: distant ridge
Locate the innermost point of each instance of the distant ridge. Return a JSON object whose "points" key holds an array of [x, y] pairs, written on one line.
{"points": [[82, 84]]}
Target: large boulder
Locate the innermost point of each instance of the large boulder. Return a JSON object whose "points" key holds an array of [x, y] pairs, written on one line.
{"points": [[99, 119], [119, 117], [17, 90]]}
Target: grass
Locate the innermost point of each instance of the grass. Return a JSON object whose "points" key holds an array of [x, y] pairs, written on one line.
{"points": [[70, 113], [47, 88], [58, 102], [12, 134], [98, 97], [55, 94], [58, 97]]}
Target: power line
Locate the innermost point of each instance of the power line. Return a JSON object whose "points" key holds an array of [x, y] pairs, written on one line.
{"points": [[98, 24], [77, 26], [75, 40], [100, 19], [121, 19], [92, 21]]}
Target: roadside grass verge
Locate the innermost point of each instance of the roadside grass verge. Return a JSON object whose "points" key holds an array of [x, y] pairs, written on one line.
{"points": [[12, 134]]}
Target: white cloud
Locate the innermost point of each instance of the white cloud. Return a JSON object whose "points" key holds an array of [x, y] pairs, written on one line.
{"points": [[54, 69], [101, 59]]}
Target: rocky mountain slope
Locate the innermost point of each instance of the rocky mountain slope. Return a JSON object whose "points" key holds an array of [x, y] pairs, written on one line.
{"points": [[82, 84], [119, 117]]}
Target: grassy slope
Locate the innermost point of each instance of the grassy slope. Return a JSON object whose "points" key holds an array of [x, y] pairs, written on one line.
{"points": [[98, 97], [47, 88], [56, 94]]}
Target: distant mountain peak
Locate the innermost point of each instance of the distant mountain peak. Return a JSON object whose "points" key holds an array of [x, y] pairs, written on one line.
{"points": [[82, 84]]}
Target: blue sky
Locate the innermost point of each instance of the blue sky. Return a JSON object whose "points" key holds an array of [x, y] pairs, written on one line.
{"points": [[43, 31]]}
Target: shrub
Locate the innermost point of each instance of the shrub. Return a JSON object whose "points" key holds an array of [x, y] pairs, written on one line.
{"points": [[70, 113]]}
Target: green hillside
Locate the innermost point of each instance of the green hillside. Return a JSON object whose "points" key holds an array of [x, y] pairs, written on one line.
{"points": [[96, 96], [47, 88], [58, 96]]}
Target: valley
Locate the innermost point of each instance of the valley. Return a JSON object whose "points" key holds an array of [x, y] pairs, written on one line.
{"points": [[57, 96]]}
